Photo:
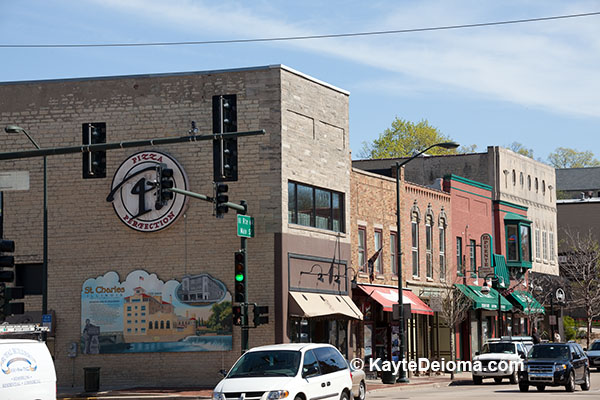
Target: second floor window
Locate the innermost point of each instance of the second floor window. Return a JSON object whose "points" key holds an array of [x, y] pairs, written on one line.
{"points": [[429, 248], [415, 247], [316, 207], [362, 249], [442, 252], [473, 256], [378, 263], [459, 256], [393, 253]]}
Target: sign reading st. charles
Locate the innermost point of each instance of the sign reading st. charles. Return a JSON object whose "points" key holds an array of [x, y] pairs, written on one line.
{"points": [[134, 193]]}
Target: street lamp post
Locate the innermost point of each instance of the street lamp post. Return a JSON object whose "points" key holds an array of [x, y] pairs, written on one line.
{"points": [[17, 129], [447, 145], [485, 290]]}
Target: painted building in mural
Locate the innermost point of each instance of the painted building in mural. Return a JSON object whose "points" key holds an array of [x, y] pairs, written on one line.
{"points": [[115, 249]]}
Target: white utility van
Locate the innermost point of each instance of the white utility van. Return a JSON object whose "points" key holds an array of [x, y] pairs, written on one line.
{"points": [[26, 370]]}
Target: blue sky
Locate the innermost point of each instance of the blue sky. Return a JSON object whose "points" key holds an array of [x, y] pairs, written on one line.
{"points": [[536, 83]]}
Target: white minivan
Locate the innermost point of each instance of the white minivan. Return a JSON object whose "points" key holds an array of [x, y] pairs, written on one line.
{"points": [[26, 370], [295, 371]]}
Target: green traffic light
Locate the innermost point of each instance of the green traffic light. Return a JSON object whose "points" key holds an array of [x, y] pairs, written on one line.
{"points": [[239, 277]]}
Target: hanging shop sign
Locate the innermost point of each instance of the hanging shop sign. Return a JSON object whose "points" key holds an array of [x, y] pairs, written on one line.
{"points": [[145, 314], [136, 193], [486, 250]]}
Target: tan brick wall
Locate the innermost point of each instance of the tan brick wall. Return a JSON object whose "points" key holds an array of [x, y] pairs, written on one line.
{"points": [[86, 239]]}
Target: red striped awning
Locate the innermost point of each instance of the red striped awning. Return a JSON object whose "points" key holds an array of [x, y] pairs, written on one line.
{"points": [[388, 296]]}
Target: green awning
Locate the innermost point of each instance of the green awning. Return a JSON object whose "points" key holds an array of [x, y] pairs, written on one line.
{"points": [[527, 302], [486, 301], [515, 217], [501, 271]]}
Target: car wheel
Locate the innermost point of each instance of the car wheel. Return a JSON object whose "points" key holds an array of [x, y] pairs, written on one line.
{"points": [[514, 378], [586, 381], [344, 396], [498, 379], [570, 386], [523, 387], [541, 388], [362, 391], [477, 380]]}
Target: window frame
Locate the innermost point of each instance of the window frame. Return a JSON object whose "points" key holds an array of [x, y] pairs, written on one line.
{"points": [[520, 261], [394, 253], [362, 266], [415, 246], [473, 257], [442, 250], [429, 247], [459, 254], [378, 264], [293, 211]]}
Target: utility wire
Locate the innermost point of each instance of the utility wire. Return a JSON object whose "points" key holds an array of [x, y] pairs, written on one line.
{"points": [[308, 37]]}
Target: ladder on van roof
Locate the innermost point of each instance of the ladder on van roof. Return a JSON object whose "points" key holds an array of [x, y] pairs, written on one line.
{"points": [[21, 329]]}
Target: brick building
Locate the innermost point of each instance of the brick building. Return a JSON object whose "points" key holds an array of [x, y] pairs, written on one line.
{"points": [[295, 178], [424, 221]]}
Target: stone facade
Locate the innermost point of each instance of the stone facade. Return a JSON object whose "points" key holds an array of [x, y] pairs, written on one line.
{"points": [[306, 140]]}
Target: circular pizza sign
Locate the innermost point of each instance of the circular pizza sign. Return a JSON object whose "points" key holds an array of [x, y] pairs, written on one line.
{"points": [[139, 191]]}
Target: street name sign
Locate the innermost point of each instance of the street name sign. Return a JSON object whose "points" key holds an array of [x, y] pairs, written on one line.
{"points": [[245, 226]]}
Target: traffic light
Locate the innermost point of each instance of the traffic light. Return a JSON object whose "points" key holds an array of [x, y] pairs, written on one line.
{"points": [[261, 315], [225, 150], [221, 198], [8, 276], [164, 182], [236, 313], [240, 277], [94, 162], [7, 246]]}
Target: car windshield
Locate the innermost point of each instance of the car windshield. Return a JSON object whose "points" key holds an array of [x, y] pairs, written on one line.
{"points": [[555, 352], [595, 346], [267, 363], [506, 348]]}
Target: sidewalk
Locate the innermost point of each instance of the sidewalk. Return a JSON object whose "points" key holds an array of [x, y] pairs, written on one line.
{"points": [[206, 393]]}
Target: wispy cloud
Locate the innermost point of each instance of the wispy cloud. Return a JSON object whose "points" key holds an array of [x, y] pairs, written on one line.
{"points": [[547, 65]]}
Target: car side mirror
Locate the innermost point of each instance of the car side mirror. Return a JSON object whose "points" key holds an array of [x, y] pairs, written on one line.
{"points": [[522, 355], [476, 353], [310, 371], [585, 349], [223, 372]]}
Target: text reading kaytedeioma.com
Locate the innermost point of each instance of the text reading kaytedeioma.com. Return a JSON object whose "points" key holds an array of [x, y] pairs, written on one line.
{"points": [[426, 365]]}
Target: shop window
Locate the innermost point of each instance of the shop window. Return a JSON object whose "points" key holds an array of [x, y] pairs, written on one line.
{"points": [[316, 207], [393, 253], [378, 264], [362, 234], [459, 256]]}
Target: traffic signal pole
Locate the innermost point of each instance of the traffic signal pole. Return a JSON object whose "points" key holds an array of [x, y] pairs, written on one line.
{"points": [[245, 319]]}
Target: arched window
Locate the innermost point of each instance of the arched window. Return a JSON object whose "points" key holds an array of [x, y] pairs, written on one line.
{"points": [[162, 324], [529, 182], [150, 325], [168, 324], [155, 324], [415, 217], [521, 180], [514, 177], [429, 242]]}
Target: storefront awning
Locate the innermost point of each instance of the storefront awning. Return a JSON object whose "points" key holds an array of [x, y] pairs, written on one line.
{"points": [[527, 302], [485, 301], [310, 305], [501, 271], [387, 297]]}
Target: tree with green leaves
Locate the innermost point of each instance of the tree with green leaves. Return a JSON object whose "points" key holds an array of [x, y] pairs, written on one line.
{"points": [[405, 138], [520, 149], [221, 318], [564, 157]]}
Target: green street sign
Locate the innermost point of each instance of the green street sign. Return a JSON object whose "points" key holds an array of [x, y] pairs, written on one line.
{"points": [[245, 226]]}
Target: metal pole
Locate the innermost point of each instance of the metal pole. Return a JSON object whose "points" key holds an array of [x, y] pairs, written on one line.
{"points": [[45, 254], [245, 316], [549, 319], [499, 311], [401, 373]]}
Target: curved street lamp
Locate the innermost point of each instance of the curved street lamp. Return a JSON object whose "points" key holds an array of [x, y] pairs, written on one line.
{"points": [[445, 145]]}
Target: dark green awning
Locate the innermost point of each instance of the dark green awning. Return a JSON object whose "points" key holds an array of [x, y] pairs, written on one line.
{"points": [[485, 301], [516, 217], [501, 271], [527, 302]]}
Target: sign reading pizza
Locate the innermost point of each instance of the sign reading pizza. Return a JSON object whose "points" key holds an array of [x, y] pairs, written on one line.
{"points": [[136, 193]]}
